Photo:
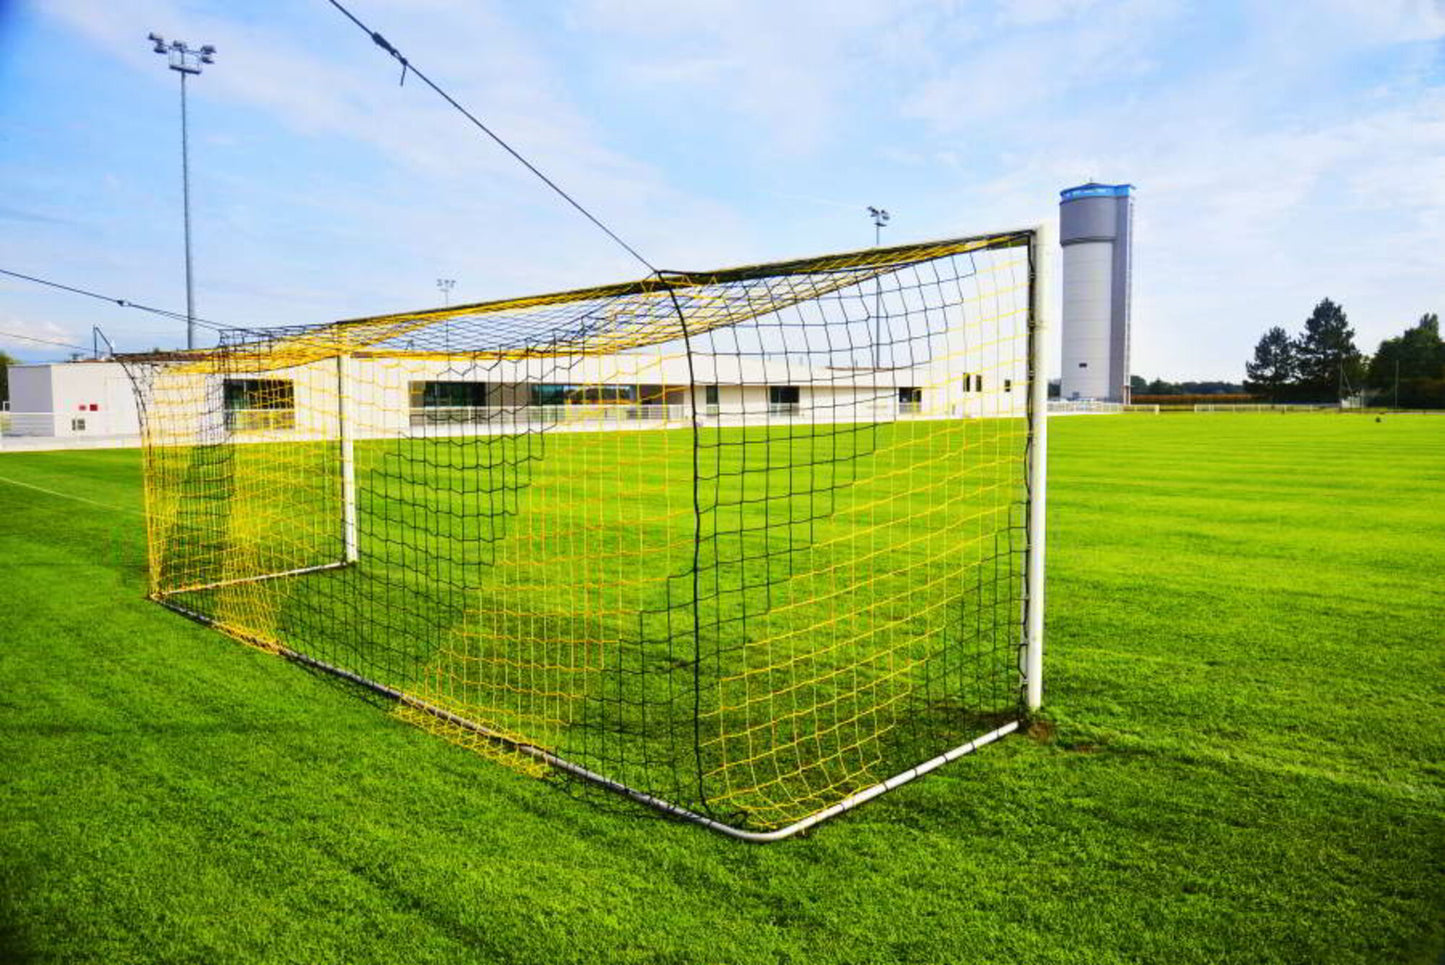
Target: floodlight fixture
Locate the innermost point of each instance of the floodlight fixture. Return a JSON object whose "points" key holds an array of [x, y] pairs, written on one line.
{"points": [[184, 60]]}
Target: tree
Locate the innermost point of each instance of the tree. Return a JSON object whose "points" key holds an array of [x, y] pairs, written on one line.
{"points": [[1413, 361], [1326, 358], [1139, 384], [6, 360], [1275, 364], [1419, 352]]}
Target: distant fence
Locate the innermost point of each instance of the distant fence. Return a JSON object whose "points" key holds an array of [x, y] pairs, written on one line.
{"points": [[1267, 407], [1197, 398], [1094, 407]]}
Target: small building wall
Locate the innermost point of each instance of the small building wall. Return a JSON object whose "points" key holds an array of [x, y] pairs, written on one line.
{"points": [[79, 398]]}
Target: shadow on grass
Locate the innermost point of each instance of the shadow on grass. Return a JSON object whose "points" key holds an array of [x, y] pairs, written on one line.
{"points": [[15, 947]]}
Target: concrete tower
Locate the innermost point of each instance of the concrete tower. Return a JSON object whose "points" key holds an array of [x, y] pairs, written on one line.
{"points": [[1096, 230]]}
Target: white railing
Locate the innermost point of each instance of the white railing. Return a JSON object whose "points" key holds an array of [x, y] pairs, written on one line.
{"points": [[1264, 407], [1083, 406], [784, 408], [910, 408], [27, 424], [259, 420], [546, 414]]}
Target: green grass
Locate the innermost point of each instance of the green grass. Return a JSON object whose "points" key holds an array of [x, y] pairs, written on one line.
{"points": [[857, 591], [1245, 670]]}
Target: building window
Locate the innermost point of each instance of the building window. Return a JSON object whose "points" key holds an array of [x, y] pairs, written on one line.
{"points": [[438, 402], [783, 399], [259, 404], [448, 395], [546, 393], [710, 395], [1008, 385], [77, 425], [1083, 365], [978, 383], [910, 398]]}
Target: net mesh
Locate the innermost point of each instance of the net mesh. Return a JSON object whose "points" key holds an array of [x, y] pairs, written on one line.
{"points": [[748, 541]]}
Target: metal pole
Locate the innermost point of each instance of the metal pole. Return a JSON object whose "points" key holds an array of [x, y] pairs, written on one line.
{"points": [[1041, 307], [186, 204], [350, 550]]}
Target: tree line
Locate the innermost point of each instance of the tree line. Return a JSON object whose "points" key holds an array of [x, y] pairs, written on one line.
{"points": [[1138, 385], [1322, 363]]}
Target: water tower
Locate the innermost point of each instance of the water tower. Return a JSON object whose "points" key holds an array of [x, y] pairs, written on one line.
{"points": [[1096, 230]]}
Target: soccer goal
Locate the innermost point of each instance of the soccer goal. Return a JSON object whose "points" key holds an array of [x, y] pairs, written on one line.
{"points": [[749, 546]]}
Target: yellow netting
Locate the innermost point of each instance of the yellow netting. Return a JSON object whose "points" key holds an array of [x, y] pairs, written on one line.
{"points": [[748, 540]]}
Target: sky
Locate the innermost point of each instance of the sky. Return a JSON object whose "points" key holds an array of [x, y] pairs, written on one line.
{"points": [[1282, 152]]}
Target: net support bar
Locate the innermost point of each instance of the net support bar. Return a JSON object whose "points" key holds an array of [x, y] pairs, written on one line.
{"points": [[218, 584], [1042, 257], [641, 797], [348, 460]]}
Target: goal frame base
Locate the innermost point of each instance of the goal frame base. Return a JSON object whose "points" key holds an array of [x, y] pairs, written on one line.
{"points": [[592, 777]]}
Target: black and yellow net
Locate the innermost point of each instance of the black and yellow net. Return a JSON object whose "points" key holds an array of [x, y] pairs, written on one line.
{"points": [[744, 544]]}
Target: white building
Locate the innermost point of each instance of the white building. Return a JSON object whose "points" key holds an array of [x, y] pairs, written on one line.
{"points": [[71, 399], [1096, 231], [395, 397]]}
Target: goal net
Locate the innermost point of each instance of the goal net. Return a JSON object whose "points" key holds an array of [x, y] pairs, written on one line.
{"points": [[749, 545]]}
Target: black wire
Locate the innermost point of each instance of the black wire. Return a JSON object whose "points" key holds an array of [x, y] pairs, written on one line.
{"points": [[43, 341], [407, 65], [122, 302]]}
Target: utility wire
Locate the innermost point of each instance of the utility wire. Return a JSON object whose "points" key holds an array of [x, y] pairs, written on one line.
{"points": [[122, 302], [43, 341], [407, 65]]}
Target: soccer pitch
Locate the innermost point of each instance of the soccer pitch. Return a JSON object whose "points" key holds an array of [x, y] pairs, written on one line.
{"points": [[858, 592], [1243, 679]]}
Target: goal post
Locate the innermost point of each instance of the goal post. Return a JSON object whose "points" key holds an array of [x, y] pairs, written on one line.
{"points": [[347, 454], [1042, 248], [750, 546]]}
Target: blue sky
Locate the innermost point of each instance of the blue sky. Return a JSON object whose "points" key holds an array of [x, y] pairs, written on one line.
{"points": [[1283, 152]]}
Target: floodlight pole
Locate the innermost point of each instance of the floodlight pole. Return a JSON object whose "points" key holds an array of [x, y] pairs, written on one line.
{"points": [[880, 218], [446, 285], [186, 206], [184, 60]]}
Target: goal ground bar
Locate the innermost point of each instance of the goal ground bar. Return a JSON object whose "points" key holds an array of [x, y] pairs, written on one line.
{"points": [[259, 578], [577, 770]]}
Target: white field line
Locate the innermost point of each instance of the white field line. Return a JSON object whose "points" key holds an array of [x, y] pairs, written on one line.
{"points": [[79, 499]]}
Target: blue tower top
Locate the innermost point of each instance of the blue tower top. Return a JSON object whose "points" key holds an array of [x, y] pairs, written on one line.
{"points": [[1095, 190]]}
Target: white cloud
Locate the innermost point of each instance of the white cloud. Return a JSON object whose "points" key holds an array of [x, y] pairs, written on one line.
{"points": [[1283, 152], [31, 338]]}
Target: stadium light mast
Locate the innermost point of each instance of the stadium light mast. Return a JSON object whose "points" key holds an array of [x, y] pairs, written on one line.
{"points": [[184, 61], [880, 218], [445, 286]]}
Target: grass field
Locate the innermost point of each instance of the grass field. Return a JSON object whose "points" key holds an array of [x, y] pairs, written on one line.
{"points": [[849, 608], [1245, 670]]}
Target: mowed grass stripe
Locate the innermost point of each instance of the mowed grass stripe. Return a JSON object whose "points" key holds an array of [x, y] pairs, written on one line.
{"points": [[1245, 672]]}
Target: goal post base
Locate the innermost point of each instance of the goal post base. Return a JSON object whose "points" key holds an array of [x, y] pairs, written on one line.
{"points": [[617, 787], [261, 578]]}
